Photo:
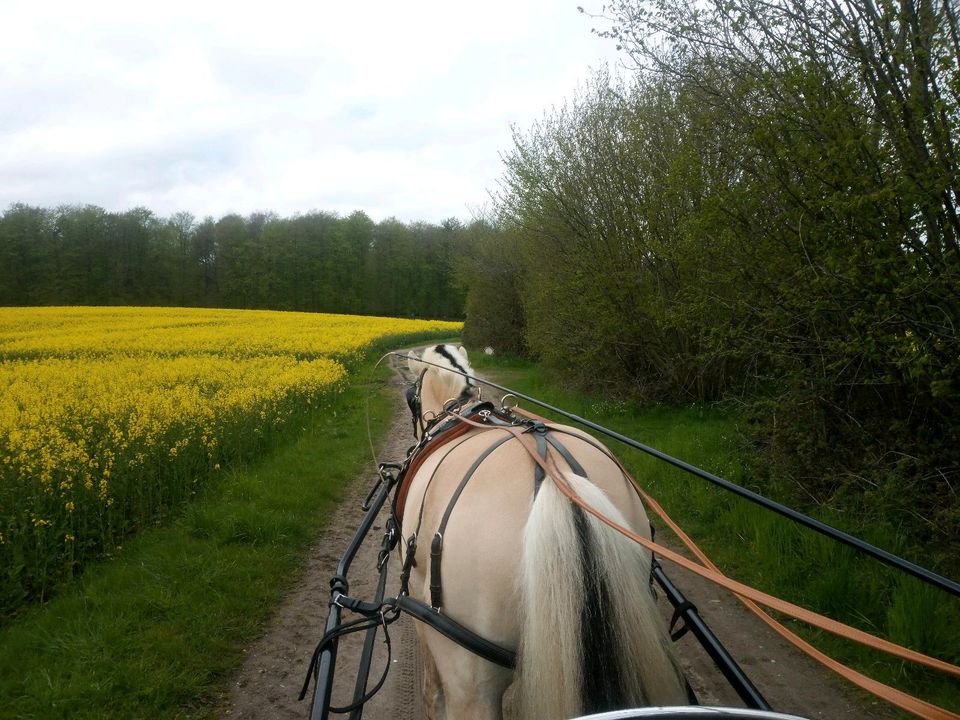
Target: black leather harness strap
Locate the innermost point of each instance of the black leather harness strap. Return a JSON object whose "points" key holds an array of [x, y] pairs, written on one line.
{"points": [[539, 474], [415, 404], [576, 467], [458, 633]]}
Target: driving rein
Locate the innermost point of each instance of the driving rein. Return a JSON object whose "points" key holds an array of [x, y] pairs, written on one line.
{"points": [[458, 422]]}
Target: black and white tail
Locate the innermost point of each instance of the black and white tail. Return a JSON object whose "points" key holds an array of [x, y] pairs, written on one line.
{"points": [[592, 639]]}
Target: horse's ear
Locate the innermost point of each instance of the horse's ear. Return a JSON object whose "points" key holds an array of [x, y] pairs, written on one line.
{"points": [[464, 351]]}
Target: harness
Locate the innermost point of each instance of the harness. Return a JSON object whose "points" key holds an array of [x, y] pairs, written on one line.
{"points": [[443, 433], [450, 428]]}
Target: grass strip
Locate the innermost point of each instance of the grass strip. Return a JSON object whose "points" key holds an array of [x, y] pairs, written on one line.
{"points": [[157, 630]]}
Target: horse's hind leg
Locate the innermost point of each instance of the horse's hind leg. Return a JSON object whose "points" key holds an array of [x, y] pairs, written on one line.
{"points": [[479, 699], [458, 685], [480, 702], [431, 687], [473, 688]]}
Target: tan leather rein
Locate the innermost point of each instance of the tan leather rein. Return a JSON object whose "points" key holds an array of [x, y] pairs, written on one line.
{"points": [[751, 597]]}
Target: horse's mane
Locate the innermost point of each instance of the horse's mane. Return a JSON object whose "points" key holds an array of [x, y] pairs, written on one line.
{"points": [[449, 384]]}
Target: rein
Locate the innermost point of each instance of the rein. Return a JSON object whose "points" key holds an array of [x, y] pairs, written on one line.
{"points": [[532, 432], [921, 573], [750, 595]]}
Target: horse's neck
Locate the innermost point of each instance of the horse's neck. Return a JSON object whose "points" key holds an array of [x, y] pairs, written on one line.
{"points": [[430, 396]]}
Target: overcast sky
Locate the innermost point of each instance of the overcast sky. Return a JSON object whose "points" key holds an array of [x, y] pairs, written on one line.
{"points": [[395, 108]]}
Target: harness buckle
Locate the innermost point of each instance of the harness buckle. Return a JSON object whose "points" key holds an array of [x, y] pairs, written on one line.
{"points": [[535, 426], [390, 538]]}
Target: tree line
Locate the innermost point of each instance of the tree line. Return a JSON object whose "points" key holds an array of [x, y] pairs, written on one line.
{"points": [[318, 262], [764, 211]]}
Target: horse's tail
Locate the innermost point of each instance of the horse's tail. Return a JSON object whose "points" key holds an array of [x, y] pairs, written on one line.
{"points": [[592, 638]]}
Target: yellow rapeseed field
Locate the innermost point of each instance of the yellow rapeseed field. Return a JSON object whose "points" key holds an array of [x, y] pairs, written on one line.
{"points": [[109, 415]]}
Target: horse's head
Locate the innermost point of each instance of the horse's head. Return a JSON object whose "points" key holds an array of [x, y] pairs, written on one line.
{"points": [[443, 377]]}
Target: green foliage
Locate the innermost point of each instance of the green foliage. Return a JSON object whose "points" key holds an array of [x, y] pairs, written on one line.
{"points": [[316, 262], [486, 272], [767, 213], [597, 197]]}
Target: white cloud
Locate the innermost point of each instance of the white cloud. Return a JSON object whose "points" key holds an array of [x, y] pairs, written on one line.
{"points": [[211, 107]]}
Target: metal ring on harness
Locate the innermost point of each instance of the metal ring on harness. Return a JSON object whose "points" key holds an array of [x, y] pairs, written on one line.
{"points": [[503, 402]]}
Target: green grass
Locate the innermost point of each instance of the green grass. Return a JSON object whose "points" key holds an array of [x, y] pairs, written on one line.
{"points": [[157, 631], [766, 550]]}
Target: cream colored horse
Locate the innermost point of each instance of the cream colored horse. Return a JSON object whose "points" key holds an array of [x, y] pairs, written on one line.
{"points": [[535, 574]]}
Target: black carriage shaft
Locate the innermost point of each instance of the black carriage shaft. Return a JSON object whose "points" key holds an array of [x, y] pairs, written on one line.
{"points": [[738, 679], [917, 571], [328, 658], [360, 689]]}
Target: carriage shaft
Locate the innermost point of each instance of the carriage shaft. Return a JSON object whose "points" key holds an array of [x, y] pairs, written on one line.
{"points": [[328, 658], [738, 680]]}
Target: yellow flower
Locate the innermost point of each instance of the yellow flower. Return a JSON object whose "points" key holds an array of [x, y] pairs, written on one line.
{"points": [[105, 406]]}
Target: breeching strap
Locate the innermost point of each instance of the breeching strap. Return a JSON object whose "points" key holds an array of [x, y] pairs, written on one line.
{"points": [[751, 596]]}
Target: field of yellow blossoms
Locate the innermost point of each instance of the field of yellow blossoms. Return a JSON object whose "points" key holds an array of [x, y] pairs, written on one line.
{"points": [[110, 415]]}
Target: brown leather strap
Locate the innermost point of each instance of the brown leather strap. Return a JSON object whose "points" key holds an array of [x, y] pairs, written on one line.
{"points": [[896, 697], [403, 489], [906, 702]]}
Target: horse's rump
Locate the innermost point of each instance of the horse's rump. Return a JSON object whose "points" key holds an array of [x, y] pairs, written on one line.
{"points": [[570, 593]]}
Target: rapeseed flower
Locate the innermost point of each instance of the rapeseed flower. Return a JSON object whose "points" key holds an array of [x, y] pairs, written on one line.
{"points": [[110, 415]]}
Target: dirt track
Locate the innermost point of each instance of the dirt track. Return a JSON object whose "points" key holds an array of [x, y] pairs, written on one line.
{"points": [[270, 680]]}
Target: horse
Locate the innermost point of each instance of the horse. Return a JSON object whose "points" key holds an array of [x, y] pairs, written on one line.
{"points": [[530, 571]]}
